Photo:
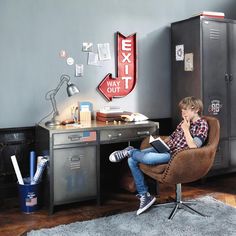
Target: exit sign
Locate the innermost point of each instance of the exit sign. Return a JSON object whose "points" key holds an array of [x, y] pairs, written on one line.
{"points": [[124, 83]]}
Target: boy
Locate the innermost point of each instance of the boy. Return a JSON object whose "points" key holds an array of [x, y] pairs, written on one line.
{"points": [[190, 133]]}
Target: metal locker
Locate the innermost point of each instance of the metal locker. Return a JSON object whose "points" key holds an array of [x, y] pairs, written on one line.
{"points": [[212, 46]]}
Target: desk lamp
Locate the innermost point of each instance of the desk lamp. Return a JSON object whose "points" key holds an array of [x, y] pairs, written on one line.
{"points": [[50, 95]]}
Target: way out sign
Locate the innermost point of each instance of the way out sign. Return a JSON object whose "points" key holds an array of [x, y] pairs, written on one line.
{"points": [[124, 83]]}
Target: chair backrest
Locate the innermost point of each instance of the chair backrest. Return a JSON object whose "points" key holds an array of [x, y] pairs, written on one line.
{"points": [[192, 164], [214, 131]]}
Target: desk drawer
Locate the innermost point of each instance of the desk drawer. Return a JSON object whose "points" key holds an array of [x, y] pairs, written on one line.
{"points": [[125, 134], [75, 137]]}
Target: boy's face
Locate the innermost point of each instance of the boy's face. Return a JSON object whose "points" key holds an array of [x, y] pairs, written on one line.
{"points": [[188, 113]]}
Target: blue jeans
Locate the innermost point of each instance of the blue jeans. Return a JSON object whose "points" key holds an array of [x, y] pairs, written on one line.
{"points": [[147, 156]]}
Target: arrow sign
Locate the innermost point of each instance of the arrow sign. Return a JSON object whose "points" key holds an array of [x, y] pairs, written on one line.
{"points": [[125, 81]]}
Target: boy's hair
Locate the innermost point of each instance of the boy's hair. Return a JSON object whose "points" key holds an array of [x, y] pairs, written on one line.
{"points": [[191, 102]]}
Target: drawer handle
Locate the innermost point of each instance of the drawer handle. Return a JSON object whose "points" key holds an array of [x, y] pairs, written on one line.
{"points": [[143, 133], [114, 137], [74, 137]]}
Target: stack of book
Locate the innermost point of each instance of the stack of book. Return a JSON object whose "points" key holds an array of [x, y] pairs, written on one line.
{"points": [[212, 14], [111, 116]]}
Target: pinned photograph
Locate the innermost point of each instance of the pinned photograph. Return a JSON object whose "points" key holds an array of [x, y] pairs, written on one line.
{"points": [[179, 52], [188, 62], [70, 61], [63, 54], [79, 70], [87, 47], [93, 59], [104, 51]]}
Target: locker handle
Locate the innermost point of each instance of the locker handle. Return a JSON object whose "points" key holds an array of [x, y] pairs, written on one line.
{"points": [[230, 77], [226, 77], [75, 158]]}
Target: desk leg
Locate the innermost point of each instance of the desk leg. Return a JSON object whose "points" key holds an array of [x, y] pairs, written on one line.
{"points": [[51, 210], [98, 201]]}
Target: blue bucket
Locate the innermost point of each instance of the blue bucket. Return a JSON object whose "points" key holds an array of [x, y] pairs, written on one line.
{"points": [[29, 196]]}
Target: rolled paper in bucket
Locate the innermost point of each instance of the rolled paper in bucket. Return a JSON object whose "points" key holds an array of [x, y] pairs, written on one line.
{"points": [[40, 168], [17, 170], [32, 164], [39, 158]]}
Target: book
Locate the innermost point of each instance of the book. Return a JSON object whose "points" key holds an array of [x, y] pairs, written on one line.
{"points": [[113, 115], [109, 119], [213, 14], [159, 144], [111, 109]]}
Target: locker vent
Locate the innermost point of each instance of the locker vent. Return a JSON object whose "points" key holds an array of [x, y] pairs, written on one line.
{"points": [[214, 34], [217, 161], [74, 162]]}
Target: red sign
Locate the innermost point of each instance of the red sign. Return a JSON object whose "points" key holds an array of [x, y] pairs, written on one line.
{"points": [[125, 81]]}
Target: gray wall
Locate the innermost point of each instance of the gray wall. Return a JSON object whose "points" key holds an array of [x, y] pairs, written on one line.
{"points": [[32, 32]]}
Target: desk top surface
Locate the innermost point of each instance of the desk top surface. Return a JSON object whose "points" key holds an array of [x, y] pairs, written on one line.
{"points": [[97, 125]]}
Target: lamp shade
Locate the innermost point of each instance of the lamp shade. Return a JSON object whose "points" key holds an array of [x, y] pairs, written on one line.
{"points": [[71, 89]]}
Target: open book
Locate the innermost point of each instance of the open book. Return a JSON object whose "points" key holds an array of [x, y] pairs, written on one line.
{"points": [[159, 144]]}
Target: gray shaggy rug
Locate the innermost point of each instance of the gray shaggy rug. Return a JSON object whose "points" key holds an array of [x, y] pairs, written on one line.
{"points": [[221, 221]]}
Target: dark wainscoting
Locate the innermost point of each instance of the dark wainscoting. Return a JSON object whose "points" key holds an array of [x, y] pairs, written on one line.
{"points": [[18, 142]]}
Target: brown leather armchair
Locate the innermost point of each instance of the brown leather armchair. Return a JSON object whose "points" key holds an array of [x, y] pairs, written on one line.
{"points": [[187, 165]]}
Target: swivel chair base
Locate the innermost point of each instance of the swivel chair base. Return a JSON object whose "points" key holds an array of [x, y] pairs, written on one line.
{"points": [[179, 204]]}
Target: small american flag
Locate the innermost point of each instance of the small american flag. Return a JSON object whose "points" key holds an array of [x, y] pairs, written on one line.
{"points": [[31, 201]]}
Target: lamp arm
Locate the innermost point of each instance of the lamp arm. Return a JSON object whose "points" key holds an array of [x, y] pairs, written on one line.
{"points": [[54, 105], [50, 95], [64, 78]]}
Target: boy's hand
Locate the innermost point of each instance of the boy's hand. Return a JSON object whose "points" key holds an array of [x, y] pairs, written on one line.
{"points": [[186, 124]]}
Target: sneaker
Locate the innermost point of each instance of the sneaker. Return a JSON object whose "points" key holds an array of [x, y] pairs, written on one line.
{"points": [[146, 200], [118, 156]]}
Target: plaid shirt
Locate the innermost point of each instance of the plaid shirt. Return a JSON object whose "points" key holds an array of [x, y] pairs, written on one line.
{"points": [[177, 139]]}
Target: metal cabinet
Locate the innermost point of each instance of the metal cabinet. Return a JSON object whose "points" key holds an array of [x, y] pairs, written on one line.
{"points": [[210, 46], [74, 174]]}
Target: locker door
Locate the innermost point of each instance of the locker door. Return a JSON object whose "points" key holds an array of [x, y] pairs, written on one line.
{"points": [[232, 92], [214, 68], [232, 73], [75, 174]]}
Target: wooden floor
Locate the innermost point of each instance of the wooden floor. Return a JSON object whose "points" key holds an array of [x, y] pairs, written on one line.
{"points": [[13, 222]]}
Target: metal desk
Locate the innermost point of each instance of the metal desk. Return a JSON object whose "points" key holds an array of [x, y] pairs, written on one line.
{"points": [[73, 172]]}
